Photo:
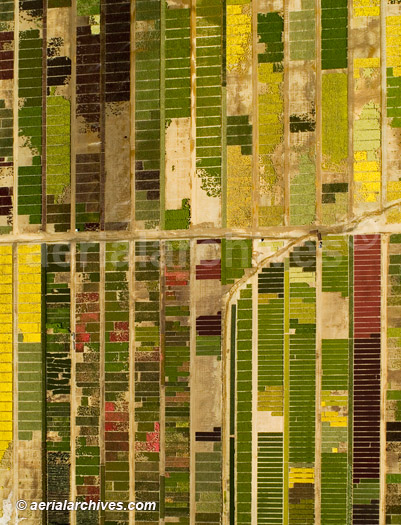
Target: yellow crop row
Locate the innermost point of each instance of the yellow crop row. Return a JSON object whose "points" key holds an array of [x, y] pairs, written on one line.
{"points": [[29, 293], [301, 475], [239, 27], [367, 11], [363, 63], [6, 364]]}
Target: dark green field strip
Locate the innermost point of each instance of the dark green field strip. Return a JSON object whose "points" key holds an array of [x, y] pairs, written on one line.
{"points": [[208, 486], [334, 34], [87, 421], [239, 133], [236, 255], [116, 390], [7, 11], [302, 381], [30, 123], [271, 339], [176, 372], [147, 378], [302, 393], [30, 354], [232, 368], [58, 376], [334, 489], [270, 31], [393, 98], [30, 389], [208, 345], [244, 407], [270, 478], [209, 19], [7, 39], [393, 397], [147, 113], [177, 64], [335, 364], [335, 265]]}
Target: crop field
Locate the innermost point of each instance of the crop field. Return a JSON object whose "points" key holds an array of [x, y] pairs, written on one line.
{"points": [[200, 261]]}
